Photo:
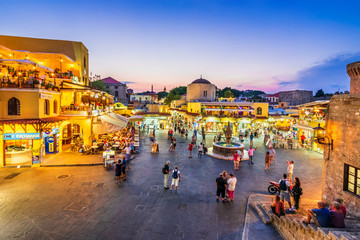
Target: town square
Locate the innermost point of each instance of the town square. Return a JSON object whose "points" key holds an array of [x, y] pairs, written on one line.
{"points": [[176, 120]]}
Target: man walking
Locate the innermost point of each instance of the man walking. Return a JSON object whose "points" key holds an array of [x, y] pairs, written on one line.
{"points": [[284, 191], [220, 188], [128, 152], [190, 148], [272, 155], [176, 178], [290, 169], [251, 154], [166, 171]]}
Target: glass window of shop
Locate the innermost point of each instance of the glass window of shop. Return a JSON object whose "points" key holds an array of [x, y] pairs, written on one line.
{"points": [[18, 148]]}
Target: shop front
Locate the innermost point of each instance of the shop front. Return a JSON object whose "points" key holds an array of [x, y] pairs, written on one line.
{"points": [[22, 148], [51, 141]]}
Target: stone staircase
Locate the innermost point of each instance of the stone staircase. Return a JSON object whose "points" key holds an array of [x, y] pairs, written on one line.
{"points": [[292, 228]]}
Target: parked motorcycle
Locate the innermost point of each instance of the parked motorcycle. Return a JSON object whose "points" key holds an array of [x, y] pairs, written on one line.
{"points": [[274, 187]]}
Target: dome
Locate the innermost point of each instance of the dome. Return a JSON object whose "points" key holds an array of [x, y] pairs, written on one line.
{"points": [[201, 80]]}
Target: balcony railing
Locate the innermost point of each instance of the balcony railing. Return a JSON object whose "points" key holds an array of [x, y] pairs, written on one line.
{"points": [[76, 110], [27, 82]]}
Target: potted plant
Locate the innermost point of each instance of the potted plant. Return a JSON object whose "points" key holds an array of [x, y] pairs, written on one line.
{"points": [[43, 85], [49, 86]]}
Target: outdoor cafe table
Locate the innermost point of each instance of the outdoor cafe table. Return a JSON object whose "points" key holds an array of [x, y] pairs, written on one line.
{"points": [[94, 149]]}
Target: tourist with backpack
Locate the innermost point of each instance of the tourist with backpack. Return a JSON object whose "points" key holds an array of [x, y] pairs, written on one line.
{"points": [[296, 192], [284, 186], [166, 171], [176, 178]]}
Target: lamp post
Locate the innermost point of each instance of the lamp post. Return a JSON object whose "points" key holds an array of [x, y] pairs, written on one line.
{"points": [[322, 139]]}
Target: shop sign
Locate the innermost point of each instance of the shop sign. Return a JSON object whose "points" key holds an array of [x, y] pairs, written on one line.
{"points": [[45, 96], [21, 136], [52, 132]]}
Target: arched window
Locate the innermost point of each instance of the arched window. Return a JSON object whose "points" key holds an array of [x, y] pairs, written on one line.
{"points": [[259, 111], [47, 107], [116, 93], [55, 106], [14, 106]]}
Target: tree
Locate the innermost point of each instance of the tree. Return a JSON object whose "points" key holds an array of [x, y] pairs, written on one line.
{"points": [[162, 95], [100, 85], [320, 93], [171, 97], [228, 94], [179, 90]]}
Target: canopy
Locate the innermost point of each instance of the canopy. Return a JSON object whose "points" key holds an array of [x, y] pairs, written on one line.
{"points": [[302, 126], [109, 124]]}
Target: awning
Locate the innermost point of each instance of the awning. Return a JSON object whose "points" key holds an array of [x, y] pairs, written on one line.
{"points": [[301, 126], [108, 125]]}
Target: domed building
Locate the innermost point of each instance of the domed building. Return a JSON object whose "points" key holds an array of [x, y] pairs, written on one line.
{"points": [[201, 90]]}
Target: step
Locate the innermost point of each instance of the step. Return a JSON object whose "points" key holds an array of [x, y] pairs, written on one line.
{"points": [[260, 211]]}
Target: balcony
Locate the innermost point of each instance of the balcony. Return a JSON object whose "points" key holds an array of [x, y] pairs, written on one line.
{"points": [[29, 83], [79, 111]]}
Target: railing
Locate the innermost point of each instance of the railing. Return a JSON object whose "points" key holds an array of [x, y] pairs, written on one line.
{"points": [[27, 82]]}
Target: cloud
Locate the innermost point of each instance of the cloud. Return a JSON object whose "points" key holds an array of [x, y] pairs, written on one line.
{"points": [[286, 83], [128, 82], [329, 74], [239, 86]]}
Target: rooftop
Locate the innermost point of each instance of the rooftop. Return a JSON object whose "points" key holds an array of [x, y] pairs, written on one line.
{"points": [[110, 80]]}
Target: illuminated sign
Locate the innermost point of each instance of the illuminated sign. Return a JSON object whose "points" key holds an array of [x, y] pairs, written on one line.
{"points": [[21, 136]]}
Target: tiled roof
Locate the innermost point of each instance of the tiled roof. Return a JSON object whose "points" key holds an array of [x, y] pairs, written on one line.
{"points": [[110, 80]]}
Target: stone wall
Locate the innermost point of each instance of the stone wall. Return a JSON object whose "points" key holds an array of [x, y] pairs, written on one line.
{"points": [[343, 127], [296, 97]]}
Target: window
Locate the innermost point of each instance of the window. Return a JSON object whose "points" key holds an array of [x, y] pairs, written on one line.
{"points": [[116, 93], [55, 106], [259, 111], [107, 87], [352, 179], [14, 106], [116, 87], [84, 62], [205, 93], [47, 107]]}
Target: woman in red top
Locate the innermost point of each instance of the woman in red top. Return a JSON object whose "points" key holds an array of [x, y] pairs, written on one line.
{"points": [[278, 207], [190, 149], [236, 160]]}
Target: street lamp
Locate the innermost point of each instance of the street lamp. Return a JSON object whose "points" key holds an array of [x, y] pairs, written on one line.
{"points": [[322, 139]]}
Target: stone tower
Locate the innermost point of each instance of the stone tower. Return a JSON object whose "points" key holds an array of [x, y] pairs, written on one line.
{"points": [[353, 70]]}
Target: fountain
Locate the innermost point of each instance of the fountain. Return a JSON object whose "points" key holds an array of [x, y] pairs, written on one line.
{"points": [[225, 150]]}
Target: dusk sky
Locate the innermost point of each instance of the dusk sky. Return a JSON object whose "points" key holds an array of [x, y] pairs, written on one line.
{"points": [[265, 45]]}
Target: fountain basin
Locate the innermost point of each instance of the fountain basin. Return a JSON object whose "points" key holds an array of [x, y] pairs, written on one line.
{"points": [[227, 150]]}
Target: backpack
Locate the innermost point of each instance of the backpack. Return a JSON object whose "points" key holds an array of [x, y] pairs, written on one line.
{"points": [[163, 170], [175, 174], [297, 191], [283, 186]]}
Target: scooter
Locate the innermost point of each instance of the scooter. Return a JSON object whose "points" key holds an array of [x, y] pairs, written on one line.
{"points": [[274, 187]]}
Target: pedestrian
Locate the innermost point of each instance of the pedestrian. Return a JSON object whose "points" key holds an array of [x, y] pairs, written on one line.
{"points": [[231, 183], [272, 155], [296, 192], [190, 148], [240, 157], [173, 144], [284, 186], [251, 138], [176, 178], [123, 168], [117, 170], [236, 160], [203, 136], [290, 169], [166, 171], [303, 139], [251, 154], [201, 149], [193, 140], [267, 161], [195, 133], [186, 133], [220, 188], [127, 152]]}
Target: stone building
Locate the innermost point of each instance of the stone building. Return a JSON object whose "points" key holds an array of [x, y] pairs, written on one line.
{"points": [[201, 90], [296, 97], [341, 165], [116, 88]]}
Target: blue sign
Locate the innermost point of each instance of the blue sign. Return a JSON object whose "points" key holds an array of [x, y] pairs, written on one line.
{"points": [[21, 136]]}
